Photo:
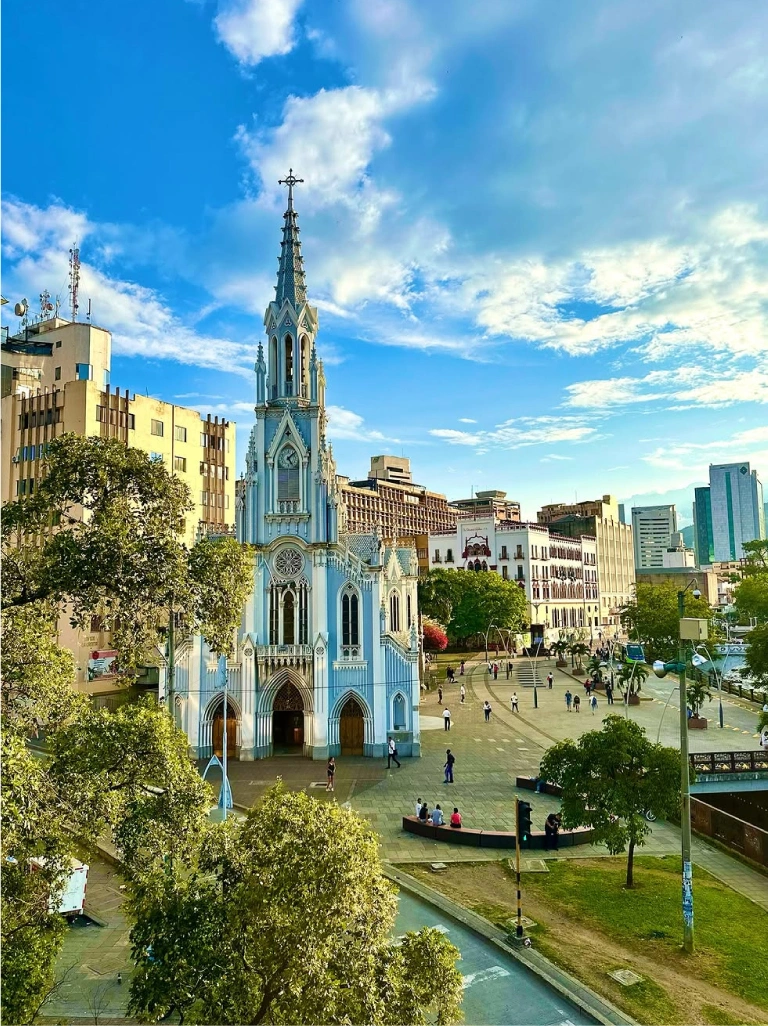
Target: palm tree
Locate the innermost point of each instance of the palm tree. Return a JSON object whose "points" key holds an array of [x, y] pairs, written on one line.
{"points": [[560, 647], [595, 669], [631, 676], [579, 649], [696, 694]]}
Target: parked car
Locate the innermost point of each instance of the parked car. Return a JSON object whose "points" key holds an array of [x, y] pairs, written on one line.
{"points": [[72, 897]]}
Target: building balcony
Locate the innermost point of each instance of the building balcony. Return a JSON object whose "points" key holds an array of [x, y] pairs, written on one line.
{"points": [[284, 655], [437, 559]]}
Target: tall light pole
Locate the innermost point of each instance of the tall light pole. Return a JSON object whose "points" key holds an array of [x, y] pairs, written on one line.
{"points": [[660, 668]]}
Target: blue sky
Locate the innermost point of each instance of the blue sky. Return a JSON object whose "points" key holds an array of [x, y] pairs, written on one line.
{"points": [[537, 234]]}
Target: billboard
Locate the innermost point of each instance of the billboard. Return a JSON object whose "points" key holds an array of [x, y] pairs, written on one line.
{"points": [[102, 664]]}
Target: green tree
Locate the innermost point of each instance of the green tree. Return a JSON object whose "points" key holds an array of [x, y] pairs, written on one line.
{"points": [[560, 648], [579, 649], [486, 598], [755, 557], [439, 592], [751, 597], [284, 917], [631, 676], [653, 618], [697, 692], [610, 778], [756, 653]]}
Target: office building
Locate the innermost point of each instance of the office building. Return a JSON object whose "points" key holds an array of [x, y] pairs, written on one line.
{"points": [[389, 502], [652, 528], [738, 516], [558, 574], [600, 519], [703, 538], [677, 554], [488, 503], [55, 380]]}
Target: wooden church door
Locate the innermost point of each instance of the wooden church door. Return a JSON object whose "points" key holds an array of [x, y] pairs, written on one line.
{"points": [[351, 728]]}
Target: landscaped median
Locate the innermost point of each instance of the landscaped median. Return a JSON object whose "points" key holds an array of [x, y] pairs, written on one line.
{"points": [[591, 925]]}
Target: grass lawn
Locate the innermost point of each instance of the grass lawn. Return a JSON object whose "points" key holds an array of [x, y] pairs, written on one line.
{"points": [[590, 924]]}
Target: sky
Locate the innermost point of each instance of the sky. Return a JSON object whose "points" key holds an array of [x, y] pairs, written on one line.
{"points": [[536, 233]]}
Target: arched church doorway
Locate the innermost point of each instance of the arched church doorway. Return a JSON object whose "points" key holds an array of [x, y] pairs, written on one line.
{"points": [[217, 732], [288, 721], [351, 728]]}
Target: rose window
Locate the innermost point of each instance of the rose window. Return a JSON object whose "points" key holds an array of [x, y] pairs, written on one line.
{"points": [[289, 562]]}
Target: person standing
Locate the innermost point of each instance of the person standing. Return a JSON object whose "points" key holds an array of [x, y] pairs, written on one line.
{"points": [[509, 667], [463, 693], [461, 674], [331, 773], [576, 703], [514, 702], [449, 761], [446, 719], [440, 695], [568, 700], [487, 710], [609, 693], [550, 680], [593, 703], [392, 753], [495, 671]]}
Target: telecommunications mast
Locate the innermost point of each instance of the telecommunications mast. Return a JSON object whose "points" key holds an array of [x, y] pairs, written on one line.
{"points": [[74, 278]]}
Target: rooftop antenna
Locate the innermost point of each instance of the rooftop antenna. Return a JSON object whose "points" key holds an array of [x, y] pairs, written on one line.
{"points": [[89, 311], [46, 306], [74, 278]]}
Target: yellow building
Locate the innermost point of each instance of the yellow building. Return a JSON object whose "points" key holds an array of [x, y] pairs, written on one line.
{"points": [[55, 380]]}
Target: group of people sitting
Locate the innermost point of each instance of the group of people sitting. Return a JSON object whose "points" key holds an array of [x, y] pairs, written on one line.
{"points": [[436, 817]]}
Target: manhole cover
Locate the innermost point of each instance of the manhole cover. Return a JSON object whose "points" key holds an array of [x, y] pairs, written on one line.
{"points": [[625, 977]]}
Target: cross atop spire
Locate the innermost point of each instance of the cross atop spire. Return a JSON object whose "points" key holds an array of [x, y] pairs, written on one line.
{"points": [[290, 180]]}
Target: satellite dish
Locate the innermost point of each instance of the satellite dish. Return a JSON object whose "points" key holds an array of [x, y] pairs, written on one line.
{"points": [[21, 308]]}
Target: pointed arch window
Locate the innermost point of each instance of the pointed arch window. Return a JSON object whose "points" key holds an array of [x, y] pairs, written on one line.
{"points": [[408, 612], [398, 713], [288, 365], [394, 612], [350, 624], [289, 617]]}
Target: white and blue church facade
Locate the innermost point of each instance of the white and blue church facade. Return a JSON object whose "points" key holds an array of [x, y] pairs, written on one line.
{"points": [[326, 661]]}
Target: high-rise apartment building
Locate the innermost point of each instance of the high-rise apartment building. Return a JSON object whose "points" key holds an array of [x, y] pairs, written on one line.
{"points": [[703, 537], [602, 520], [652, 528], [55, 381], [738, 516]]}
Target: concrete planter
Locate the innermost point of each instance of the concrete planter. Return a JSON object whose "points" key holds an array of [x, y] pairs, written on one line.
{"points": [[634, 699], [697, 723]]}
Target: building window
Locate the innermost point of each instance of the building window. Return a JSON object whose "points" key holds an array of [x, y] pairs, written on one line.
{"points": [[398, 713], [58, 343], [505, 572], [106, 379], [83, 371], [57, 374], [156, 457], [449, 555], [180, 433], [350, 624], [180, 463], [157, 428], [394, 612], [289, 618]]}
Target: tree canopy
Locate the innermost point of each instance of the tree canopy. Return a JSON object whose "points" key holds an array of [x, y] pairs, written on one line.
{"points": [[468, 602], [653, 618], [610, 778], [284, 917]]}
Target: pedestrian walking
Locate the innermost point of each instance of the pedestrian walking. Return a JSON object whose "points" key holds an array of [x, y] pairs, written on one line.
{"points": [[446, 719], [609, 693], [550, 680], [495, 671], [331, 773], [461, 669], [513, 700], [576, 703], [449, 761], [593, 704], [568, 700], [487, 710], [440, 695], [509, 667], [463, 693], [392, 753]]}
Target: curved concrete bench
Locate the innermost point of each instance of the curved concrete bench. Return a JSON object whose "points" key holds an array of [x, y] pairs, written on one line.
{"points": [[540, 786], [491, 838]]}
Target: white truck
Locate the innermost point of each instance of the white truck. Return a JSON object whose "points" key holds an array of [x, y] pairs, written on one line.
{"points": [[73, 895]]}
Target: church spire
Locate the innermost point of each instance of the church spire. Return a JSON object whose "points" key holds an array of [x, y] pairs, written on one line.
{"points": [[290, 274]]}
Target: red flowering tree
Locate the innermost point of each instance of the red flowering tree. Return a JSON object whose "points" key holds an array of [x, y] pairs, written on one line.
{"points": [[435, 638]]}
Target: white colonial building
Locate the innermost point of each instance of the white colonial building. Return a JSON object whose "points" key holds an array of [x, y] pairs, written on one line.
{"points": [[327, 655], [558, 574]]}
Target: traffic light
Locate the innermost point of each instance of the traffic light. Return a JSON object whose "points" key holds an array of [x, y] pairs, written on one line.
{"points": [[524, 823]]}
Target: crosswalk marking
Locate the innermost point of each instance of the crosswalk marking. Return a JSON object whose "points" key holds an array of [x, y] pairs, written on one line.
{"points": [[494, 972], [499, 749]]}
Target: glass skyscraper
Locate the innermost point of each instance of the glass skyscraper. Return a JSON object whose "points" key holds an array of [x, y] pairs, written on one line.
{"points": [[736, 497], [703, 538]]}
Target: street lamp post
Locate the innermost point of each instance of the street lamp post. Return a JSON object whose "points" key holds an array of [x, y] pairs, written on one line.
{"points": [[660, 668]]}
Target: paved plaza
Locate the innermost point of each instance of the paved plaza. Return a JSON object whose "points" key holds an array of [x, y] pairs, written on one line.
{"points": [[488, 758]]}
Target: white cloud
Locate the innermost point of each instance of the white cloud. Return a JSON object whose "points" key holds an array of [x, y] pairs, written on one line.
{"points": [[521, 432], [684, 386], [343, 423], [254, 29], [750, 445], [466, 420]]}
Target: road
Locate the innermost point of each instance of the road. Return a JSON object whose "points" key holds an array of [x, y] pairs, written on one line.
{"points": [[497, 988]]}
